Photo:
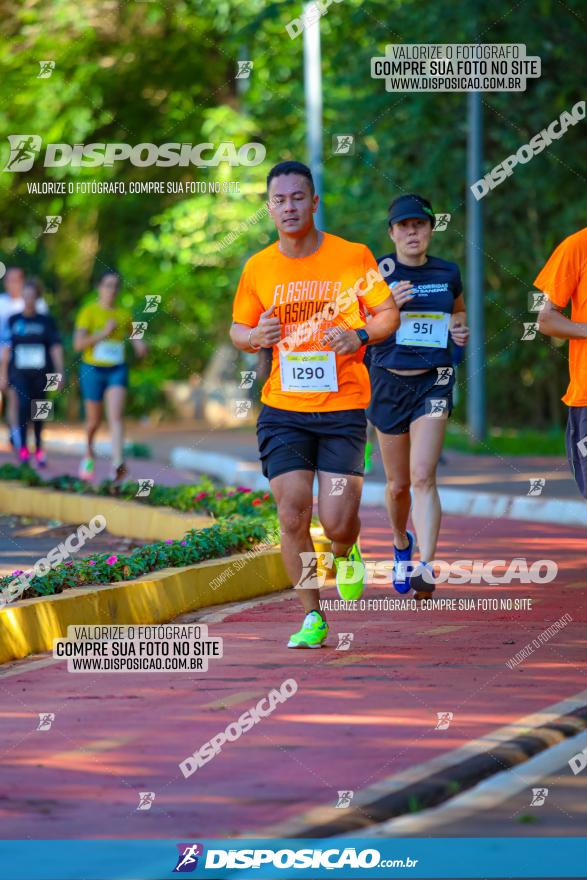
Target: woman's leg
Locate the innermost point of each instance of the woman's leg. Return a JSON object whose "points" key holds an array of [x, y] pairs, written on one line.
{"points": [[13, 416], [38, 383], [395, 454], [115, 398], [93, 410], [427, 436], [19, 405]]}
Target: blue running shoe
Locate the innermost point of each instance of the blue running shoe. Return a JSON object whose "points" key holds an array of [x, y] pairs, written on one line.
{"points": [[400, 577]]}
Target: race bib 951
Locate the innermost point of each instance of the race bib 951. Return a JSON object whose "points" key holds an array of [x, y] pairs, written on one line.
{"points": [[429, 329]]}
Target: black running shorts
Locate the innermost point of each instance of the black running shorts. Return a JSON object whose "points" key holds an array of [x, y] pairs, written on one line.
{"points": [[397, 401], [314, 441], [576, 441]]}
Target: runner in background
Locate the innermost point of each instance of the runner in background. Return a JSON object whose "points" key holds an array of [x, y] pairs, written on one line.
{"points": [[564, 279], [412, 378], [11, 303], [302, 297], [32, 350], [101, 330]]}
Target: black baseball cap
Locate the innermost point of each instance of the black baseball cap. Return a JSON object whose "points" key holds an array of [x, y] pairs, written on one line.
{"points": [[408, 206]]}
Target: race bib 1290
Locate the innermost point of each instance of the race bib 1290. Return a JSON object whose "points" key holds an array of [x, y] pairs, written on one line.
{"points": [[308, 371]]}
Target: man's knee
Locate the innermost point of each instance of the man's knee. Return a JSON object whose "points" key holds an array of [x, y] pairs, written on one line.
{"points": [[294, 517], [341, 527]]}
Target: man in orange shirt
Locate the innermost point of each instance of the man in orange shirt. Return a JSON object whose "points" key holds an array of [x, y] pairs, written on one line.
{"points": [[564, 278], [305, 297]]}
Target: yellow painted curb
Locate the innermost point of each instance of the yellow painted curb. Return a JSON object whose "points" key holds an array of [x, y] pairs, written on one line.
{"points": [[31, 625], [127, 519]]}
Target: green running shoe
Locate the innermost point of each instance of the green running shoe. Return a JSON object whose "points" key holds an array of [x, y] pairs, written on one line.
{"points": [[312, 634], [86, 469], [350, 575]]}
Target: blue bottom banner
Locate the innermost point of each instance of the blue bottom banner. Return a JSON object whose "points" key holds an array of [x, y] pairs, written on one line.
{"points": [[368, 858]]}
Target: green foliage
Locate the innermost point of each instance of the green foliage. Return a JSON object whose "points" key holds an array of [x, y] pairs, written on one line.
{"points": [[203, 497], [235, 534], [509, 441], [159, 72]]}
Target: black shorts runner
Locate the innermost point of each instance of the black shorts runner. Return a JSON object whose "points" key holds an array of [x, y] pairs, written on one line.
{"points": [[576, 441], [397, 401], [323, 441]]}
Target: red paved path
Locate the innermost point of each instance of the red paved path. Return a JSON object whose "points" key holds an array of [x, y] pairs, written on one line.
{"points": [[358, 716]]}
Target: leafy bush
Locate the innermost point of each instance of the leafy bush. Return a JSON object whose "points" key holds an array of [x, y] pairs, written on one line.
{"points": [[202, 497], [243, 519], [235, 534]]}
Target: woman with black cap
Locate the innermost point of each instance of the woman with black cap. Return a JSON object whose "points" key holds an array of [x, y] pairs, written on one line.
{"points": [[412, 379]]}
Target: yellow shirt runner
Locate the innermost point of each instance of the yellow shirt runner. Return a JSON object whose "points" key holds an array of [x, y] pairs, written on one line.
{"points": [[109, 352]]}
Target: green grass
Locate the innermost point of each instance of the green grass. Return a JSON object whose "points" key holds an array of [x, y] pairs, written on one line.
{"points": [[506, 441]]}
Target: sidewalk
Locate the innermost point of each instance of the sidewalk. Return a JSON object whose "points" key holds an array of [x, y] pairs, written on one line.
{"points": [[64, 447]]}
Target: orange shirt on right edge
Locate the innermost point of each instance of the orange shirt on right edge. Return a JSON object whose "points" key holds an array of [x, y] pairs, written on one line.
{"points": [[564, 278]]}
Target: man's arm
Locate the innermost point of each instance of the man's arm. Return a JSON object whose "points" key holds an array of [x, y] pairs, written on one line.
{"points": [[266, 334], [384, 321], [552, 322]]}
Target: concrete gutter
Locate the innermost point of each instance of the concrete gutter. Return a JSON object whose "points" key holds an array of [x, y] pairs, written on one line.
{"points": [[29, 626], [129, 519]]}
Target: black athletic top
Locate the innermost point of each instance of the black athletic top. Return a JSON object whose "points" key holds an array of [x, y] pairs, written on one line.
{"points": [[436, 285], [31, 338]]}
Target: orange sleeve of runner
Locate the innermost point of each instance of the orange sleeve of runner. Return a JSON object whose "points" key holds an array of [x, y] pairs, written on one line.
{"points": [[247, 307], [560, 276], [373, 290]]}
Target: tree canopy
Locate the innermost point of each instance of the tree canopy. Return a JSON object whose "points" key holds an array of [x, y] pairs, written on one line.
{"points": [[158, 72]]}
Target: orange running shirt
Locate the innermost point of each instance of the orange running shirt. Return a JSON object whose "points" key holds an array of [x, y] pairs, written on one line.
{"points": [[564, 278], [340, 276]]}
